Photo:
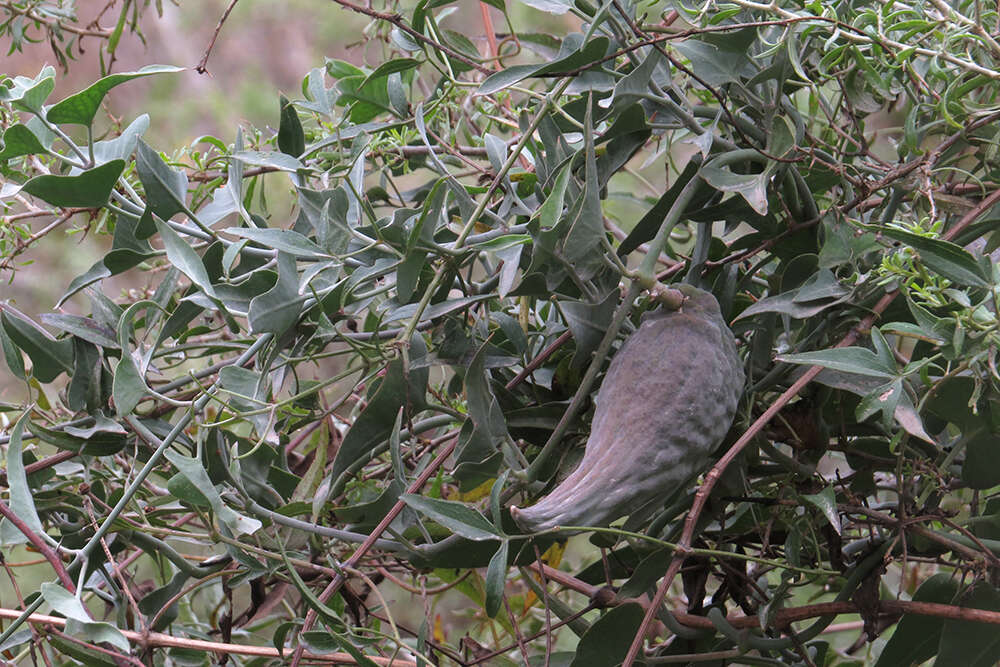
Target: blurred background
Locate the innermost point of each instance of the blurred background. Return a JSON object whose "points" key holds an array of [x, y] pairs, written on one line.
{"points": [[264, 48]]}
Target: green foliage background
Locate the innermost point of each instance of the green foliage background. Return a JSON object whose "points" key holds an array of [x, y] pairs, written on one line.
{"points": [[351, 338]]}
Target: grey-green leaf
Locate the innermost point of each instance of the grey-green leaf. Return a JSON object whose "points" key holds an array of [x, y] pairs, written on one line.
{"points": [[128, 387], [460, 519], [284, 240], [198, 476], [183, 256], [858, 360], [49, 357], [22, 501], [496, 580]]}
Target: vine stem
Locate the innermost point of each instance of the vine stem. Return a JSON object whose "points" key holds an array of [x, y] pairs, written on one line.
{"points": [[852, 336], [43, 548], [127, 495], [515, 153], [159, 639], [352, 562]]}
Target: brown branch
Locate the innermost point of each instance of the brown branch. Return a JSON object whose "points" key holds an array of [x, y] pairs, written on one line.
{"points": [[54, 24], [160, 640], [540, 359], [397, 20], [200, 68], [22, 245], [338, 581], [788, 615], [970, 217], [701, 498], [47, 462], [43, 548]]}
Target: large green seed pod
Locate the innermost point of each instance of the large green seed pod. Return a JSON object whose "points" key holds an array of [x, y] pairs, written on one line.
{"points": [[666, 402]]}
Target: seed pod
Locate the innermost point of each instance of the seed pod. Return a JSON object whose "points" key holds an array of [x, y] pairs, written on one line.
{"points": [[666, 402]]}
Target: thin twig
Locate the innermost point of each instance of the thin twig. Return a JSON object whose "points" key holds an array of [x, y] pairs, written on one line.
{"points": [[200, 68]]}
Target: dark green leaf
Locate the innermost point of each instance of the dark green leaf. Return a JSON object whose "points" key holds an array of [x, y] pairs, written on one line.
{"points": [[573, 55], [373, 424], [291, 139], [166, 188], [278, 309], [81, 107], [21, 499], [968, 643], [88, 189], [196, 474], [608, 639], [649, 224], [826, 502], [49, 357], [19, 140]]}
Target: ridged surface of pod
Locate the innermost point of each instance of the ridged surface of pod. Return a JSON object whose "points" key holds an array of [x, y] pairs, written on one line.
{"points": [[667, 400]]}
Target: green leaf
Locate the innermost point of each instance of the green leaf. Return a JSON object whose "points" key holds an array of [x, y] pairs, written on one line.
{"points": [[83, 327], [49, 357], [166, 188], [11, 355], [390, 67], [752, 187], [80, 108], [278, 309], [20, 140], [78, 621], [968, 643], [459, 518], [826, 502], [649, 224], [858, 360], [21, 501], [608, 639], [943, 257], [284, 240], [573, 55], [981, 468], [88, 189], [496, 580], [183, 256], [128, 387], [372, 426], [196, 474], [291, 139]]}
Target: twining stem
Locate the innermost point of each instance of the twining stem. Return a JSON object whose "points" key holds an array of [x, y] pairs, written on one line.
{"points": [[411, 325], [140, 477]]}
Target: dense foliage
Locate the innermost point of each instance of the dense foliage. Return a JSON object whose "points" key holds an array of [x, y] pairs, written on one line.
{"points": [[290, 406]]}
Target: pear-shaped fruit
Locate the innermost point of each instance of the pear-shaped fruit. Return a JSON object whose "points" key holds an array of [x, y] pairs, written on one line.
{"points": [[666, 402]]}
